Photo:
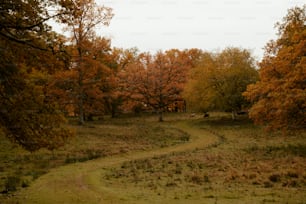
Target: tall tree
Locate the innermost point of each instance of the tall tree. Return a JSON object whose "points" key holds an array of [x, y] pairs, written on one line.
{"points": [[82, 19], [219, 80], [279, 96], [95, 84], [27, 116]]}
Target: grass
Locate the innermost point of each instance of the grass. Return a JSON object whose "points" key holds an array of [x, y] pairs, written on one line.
{"points": [[233, 170], [18, 168], [183, 160]]}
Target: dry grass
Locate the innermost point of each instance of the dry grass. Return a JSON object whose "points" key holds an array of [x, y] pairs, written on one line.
{"points": [[250, 165], [244, 165], [19, 168]]}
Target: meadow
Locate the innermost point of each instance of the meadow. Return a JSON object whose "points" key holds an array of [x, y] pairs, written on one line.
{"points": [[139, 160]]}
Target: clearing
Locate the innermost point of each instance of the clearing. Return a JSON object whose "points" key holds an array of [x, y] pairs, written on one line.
{"points": [[223, 161]]}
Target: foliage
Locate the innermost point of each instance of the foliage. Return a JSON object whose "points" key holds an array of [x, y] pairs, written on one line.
{"points": [[219, 80], [115, 98], [279, 97], [157, 81], [24, 22], [81, 19], [96, 80], [29, 52]]}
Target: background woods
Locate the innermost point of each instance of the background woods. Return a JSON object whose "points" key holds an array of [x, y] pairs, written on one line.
{"points": [[45, 76], [219, 79], [73, 97]]}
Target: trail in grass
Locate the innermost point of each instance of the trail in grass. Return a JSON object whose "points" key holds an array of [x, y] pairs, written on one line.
{"points": [[81, 182]]}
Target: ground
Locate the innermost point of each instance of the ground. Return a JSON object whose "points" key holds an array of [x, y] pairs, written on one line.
{"points": [[184, 159]]}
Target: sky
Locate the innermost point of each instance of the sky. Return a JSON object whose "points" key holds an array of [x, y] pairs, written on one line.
{"points": [[211, 25]]}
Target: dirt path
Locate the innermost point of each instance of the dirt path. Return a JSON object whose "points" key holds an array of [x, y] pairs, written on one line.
{"points": [[81, 182]]}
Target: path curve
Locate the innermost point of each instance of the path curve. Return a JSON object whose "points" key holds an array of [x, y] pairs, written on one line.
{"points": [[77, 183]]}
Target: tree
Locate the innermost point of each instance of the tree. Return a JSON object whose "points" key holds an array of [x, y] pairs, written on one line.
{"points": [[27, 116], [157, 81], [81, 19], [24, 22], [219, 80], [96, 79], [279, 96], [115, 97]]}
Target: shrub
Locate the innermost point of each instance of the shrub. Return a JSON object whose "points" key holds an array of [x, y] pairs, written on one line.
{"points": [[12, 183], [275, 178]]}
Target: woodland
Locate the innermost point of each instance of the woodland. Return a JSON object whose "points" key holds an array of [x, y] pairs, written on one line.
{"points": [[48, 79]]}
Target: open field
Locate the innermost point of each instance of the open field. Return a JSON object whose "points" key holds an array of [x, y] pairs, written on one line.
{"points": [[19, 168], [183, 160]]}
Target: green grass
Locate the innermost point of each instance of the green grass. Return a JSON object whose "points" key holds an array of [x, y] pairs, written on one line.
{"points": [[183, 160], [18, 168], [248, 166]]}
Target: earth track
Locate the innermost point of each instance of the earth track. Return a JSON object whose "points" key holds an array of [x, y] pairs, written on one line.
{"points": [[78, 183]]}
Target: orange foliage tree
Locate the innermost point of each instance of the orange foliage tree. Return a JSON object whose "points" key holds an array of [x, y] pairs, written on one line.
{"points": [[117, 60], [82, 18], [279, 96], [157, 81], [29, 52], [96, 80]]}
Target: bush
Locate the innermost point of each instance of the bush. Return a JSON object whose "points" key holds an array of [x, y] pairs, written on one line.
{"points": [[12, 183], [275, 178]]}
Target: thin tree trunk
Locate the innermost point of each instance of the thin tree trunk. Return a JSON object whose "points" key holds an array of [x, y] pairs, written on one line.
{"points": [[81, 113], [234, 114], [160, 119], [80, 94]]}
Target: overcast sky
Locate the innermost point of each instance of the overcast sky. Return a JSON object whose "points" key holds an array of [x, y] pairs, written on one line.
{"points": [[211, 25]]}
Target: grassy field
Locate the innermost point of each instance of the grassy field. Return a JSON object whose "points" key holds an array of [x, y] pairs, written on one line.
{"points": [[18, 168], [183, 160]]}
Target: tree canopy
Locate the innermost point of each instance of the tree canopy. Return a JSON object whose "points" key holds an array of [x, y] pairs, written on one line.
{"points": [[29, 52], [218, 81], [279, 96], [157, 81], [81, 20], [45, 76]]}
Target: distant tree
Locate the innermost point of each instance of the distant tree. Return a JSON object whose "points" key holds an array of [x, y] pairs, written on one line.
{"points": [[157, 81], [199, 92], [279, 96], [219, 80], [115, 97], [193, 56], [82, 18]]}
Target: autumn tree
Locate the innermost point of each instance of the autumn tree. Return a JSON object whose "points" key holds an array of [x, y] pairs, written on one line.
{"points": [[219, 80], [158, 80], [29, 51], [82, 19], [279, 96], [115, 97], [95, 84]]}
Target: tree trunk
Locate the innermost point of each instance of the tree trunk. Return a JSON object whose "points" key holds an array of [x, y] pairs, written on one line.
{"points": [[81, 111], [234, 114], [80, 91], [160, 119]]}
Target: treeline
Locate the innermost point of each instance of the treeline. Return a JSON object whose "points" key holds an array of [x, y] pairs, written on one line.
{"points": [[45, 76]]}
